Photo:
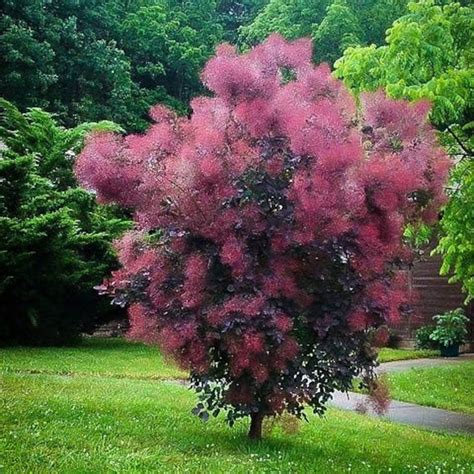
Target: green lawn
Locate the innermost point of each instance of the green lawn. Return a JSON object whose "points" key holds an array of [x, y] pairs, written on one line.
{"points": [[53, 423], [121, 358], [450, 387], [103, 412], [388, 355], [95, 356]]}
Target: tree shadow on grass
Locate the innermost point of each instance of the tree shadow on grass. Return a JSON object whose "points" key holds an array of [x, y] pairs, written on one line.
{"points": [[220, 438]]}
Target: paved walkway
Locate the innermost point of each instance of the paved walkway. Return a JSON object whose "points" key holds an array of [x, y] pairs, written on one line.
{"points": [[409, 413], [400, 365], [402, 412]]}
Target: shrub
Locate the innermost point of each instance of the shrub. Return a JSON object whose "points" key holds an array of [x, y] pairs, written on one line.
{"points": [[268, 228], [423, 338], [55, 242]]}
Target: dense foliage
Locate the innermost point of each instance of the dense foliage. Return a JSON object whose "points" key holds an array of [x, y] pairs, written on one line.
{"points": [[55, 242], [89, 60], [64, 56], [333, 24], [428, 55], [423, 338], [456, 244], [235, 14], [171, 44], [268, 227]]}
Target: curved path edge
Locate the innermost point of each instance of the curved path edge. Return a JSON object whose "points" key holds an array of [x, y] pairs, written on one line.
{"points": [[408, 413], [401, 365]]}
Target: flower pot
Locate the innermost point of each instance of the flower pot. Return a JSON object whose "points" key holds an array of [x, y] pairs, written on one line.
{"points": [[450, 351]]}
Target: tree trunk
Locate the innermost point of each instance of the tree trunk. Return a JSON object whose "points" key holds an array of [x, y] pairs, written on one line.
{"points": [[256, 420]]}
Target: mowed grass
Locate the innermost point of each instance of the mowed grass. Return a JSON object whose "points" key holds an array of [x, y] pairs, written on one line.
{"points": [[387, 354], [449, 387], [121, 358], [68, 424], [101, 407], [94, 356]]}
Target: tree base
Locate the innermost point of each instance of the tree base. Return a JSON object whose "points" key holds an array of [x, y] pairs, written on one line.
{"points": [[256, 423]]}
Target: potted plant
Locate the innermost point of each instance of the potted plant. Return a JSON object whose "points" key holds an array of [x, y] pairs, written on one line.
{"points": [[450, 331]]}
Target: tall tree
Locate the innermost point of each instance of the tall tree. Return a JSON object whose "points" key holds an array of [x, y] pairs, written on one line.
{"points": [[63, 56], [268, 227], [333, 24], [237, 13], [339, 29], [169, 42], [428, 55], [87, 60], [291, 18], [456, 243]]}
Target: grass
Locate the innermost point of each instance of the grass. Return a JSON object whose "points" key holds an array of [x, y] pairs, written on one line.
{"points": [[54, 423], [112, 413], [95, 356], [121, 358], [449, 387], [387, 354]]}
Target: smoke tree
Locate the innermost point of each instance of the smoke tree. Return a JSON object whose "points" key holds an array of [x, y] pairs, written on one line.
{"points": [[268, 227]]}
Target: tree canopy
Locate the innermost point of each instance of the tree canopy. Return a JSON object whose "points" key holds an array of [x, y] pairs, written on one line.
{"points": [[428, 54], [456, 243], [64, 56], [333, 24], [93, 60], [169, 44], [268, 227]]}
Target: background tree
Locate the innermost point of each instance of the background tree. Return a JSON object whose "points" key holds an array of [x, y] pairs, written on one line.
{"points": [[63, 56], [456, 243], [236, 13], [268, 227], [428, 55], [338, 30], [168, 44], [55, 242], [333, 24], [291, 18], [87, 60]]}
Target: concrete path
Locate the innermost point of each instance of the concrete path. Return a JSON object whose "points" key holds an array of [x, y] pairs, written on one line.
{"points": [[400, 365], [402, 412], [409, 413]]}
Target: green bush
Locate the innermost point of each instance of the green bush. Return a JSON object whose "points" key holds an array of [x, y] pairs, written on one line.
{"points": [[423, 338], [55, 242]]}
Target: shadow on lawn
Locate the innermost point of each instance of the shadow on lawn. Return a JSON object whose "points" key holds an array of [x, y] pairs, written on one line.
{"points": [[219, 438]]}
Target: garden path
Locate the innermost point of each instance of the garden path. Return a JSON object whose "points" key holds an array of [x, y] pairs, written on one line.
{"points": [[400, 365], [410, 413]]}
